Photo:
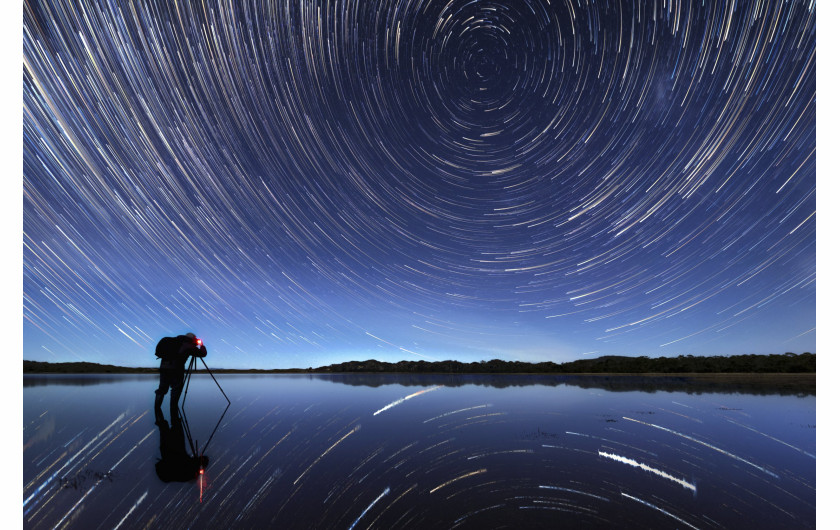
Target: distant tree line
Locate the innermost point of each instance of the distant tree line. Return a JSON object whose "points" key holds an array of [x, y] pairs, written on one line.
{"points": [[37, 367], [774, 363]]}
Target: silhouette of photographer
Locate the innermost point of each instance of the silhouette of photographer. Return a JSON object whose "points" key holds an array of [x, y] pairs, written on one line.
{"points": [[173, 353], [175, 464]]}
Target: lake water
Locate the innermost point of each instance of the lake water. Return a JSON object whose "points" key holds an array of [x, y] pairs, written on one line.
{"points": [[415, 452]]}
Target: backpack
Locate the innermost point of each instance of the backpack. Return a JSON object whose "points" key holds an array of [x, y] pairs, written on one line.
{"points": [[167, 347]]}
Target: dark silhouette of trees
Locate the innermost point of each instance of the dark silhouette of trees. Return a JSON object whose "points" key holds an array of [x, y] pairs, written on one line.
{"points": [[36, 367], [613, 364]]}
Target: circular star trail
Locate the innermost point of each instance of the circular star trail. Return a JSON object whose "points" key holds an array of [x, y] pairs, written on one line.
{"points": [[304, 183]]}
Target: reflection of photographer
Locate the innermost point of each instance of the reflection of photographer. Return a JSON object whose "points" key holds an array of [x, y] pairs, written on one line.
{"points": [[173, 353], [175, 464]]}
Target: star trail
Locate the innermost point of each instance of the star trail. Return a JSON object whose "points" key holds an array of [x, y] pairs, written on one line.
{"points": [[301, 183]]}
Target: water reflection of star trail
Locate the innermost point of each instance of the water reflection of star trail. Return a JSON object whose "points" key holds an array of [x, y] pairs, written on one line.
{"points": [[456, 412], [305, 183], [456, 479], [657, 508], [706, 444], [624, 460], [612, 442], [508, 452], [131, 510], [330, 448], [558, 488], [461, 520], [386, 491], [771, 437], [403, 399]]}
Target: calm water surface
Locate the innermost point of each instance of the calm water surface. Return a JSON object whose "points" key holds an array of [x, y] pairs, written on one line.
{"points": [[409, 452]]}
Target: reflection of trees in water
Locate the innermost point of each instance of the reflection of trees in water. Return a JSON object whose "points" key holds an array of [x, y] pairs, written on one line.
{"points": [[751, 384], [758, 385], [78, 380]]}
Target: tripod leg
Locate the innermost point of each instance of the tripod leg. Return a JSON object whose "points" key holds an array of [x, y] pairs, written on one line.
{"points": [[214, 380], [186, 384], [214, 429]]}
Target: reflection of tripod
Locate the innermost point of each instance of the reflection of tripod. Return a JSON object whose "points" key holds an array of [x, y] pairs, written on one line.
{"points": [[186, 387]]}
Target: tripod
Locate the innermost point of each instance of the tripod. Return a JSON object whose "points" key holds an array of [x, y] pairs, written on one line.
{"points": [[186, 387]]}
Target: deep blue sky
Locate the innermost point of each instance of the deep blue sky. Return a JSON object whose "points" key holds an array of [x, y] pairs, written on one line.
{"points": [[308, 184]]}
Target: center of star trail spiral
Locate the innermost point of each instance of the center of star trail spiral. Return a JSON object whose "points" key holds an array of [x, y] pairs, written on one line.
{"points": [[307, 182]]}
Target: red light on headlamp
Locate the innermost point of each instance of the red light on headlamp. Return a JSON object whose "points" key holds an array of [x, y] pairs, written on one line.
{"points": [[198, 342]]}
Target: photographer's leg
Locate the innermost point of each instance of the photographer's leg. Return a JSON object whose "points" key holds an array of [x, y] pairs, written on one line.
{"points": [[160, 392], [174, 397]]}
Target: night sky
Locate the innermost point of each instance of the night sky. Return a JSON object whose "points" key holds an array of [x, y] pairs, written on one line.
{"points": [[313, 182]]}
